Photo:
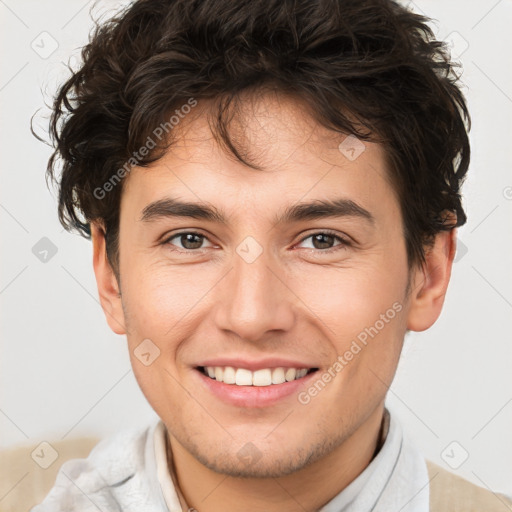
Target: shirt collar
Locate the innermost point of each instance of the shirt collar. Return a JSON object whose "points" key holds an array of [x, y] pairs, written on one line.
{"points": [[396, 475]]}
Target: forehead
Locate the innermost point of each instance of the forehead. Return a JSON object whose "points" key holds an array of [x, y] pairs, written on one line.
{"points": [[297, 158]]}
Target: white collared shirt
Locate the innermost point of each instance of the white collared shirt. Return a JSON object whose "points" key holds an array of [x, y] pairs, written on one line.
{"points": [[128, 472], [396, 478]]}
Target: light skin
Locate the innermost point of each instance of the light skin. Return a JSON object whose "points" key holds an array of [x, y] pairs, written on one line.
{"points": [[303, 298]]}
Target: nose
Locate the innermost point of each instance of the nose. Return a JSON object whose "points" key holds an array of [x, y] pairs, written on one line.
{"points": [[255, 300]]}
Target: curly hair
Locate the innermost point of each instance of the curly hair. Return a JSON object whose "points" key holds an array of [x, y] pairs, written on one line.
{"points": [[368, 68]]}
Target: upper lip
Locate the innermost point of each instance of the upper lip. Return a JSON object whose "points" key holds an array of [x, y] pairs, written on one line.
{"points": [[253, 365]]}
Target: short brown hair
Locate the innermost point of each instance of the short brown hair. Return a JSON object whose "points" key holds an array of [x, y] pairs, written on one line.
{"points": [[370, 68]]}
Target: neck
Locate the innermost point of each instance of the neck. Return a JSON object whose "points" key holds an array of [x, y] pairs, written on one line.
{"points": [[307, 489]]}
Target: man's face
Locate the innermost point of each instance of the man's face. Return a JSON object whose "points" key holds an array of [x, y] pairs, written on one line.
{"points": [[255, 293]]}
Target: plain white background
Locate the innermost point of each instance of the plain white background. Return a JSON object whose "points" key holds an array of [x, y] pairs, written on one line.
{"points": [[64, 373]]}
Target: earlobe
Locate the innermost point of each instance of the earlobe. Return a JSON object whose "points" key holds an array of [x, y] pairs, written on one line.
{"points": [[430, 283], [108, 287]]}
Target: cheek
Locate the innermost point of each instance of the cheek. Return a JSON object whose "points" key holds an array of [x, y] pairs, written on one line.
{"points": [[158, 383], [347, 300], [159, 298]]}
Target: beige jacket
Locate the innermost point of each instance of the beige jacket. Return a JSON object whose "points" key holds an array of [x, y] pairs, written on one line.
{"points": [[451, 493]]}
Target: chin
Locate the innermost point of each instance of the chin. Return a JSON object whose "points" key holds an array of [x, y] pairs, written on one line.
{"points": [[254, 469], [253, 462]]}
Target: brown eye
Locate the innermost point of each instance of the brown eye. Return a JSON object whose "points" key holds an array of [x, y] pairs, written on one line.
{"points": [[323, 241], [191, 240], [188, 241]]}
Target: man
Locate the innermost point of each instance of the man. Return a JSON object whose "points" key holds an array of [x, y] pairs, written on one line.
{"points": [[272, 191]]}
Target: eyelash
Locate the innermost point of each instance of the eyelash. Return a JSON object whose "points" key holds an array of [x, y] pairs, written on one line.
{"points": [[344, 242]]}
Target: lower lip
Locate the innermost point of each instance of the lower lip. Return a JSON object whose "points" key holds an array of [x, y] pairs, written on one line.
{"points": [[253, 396]]}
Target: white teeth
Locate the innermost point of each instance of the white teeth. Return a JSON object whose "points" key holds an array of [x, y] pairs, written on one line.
{"points": [[243, 377], [229, 375], [278, 376], [290, 374], [263, 377]]}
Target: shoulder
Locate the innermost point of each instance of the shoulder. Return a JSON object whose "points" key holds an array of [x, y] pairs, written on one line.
{"points": [[450, 492], [92, 482], [120, 454]]}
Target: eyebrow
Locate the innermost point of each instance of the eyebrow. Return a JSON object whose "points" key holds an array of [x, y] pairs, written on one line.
{"points": [[319, 209]]}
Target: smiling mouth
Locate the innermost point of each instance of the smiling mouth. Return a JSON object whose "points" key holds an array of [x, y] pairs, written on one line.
{"points": [[263, 377]]}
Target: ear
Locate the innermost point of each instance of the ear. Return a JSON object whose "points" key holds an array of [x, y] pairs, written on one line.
{"points": [[108, 287], [430, 282]]}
